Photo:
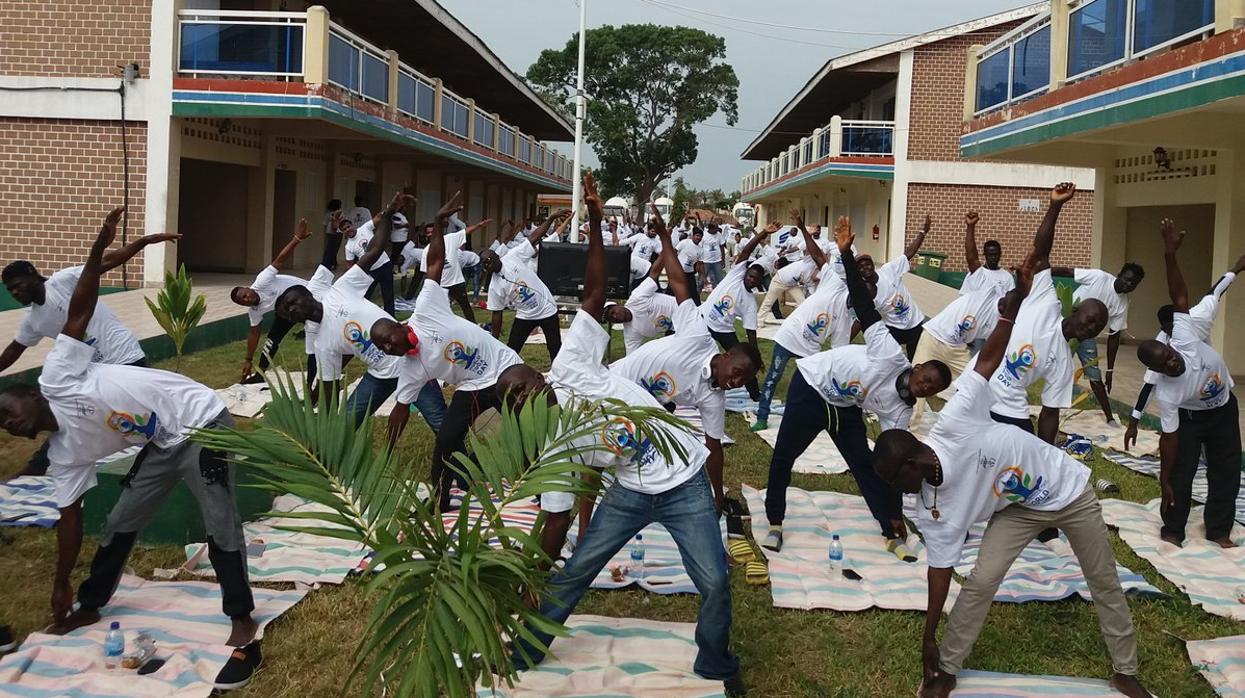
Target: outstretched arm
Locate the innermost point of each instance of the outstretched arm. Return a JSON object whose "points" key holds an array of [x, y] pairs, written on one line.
{"points": [[436, 245], [1176, 287], [381, 224], [1044, 240], [991, 354], [595, 274], [86, 293], [814, 250], [862, 302], [542, 230], [300, 233], [971, 260], [915, 246], [746, 251], [115, 258], [676, 278]]}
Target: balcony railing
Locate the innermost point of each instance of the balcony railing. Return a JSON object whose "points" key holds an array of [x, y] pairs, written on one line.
{"points": [[840, 138], [1015, 66], [273, 46]]}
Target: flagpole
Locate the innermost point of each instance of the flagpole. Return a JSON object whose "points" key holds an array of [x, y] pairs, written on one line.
{"points": [[580, 109]]}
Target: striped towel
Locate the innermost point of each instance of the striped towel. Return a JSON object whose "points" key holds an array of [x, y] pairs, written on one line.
{"points": [[1149, 465], [1209, 574], [184, 618], [28, 501], [1222, 662], [520, 515], [737, 400], [288, 556], [800, 576], [820, 458], [663, 565], [691, 415], [986, 684], [616, 658]]}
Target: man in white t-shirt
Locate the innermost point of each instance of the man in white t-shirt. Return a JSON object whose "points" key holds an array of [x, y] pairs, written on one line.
{"points": [[1199, 415], [733, 298], [646, 245], [515, 286], [649, 487], [831, 391], [1113, 292], [711, 246], [972, 469], [788, 283], [381, 270], [360, 214], [454, 277], [983, 274], [691, 256], [94, 410], [260, 297], [949, 334], [648, 313], [894, 301]]}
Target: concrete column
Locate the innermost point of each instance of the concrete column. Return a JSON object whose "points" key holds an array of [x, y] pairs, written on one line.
{"points": [[893, 239], [1229, 244], [316, 47], [836, 136], [437, 89], [496, 133], [260, 207], [1110, 222], [1227, 12], [1059, 25], [393, 77], [163, 145], [970, 81], [471, 121]]}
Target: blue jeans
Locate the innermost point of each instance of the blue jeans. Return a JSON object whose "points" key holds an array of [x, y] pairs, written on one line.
{"points": [[688, 512], [1087, 352], [372, 393], [713, 270], [777, 367]]}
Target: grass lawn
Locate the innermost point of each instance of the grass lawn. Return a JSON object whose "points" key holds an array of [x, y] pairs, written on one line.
{"points": [[783, 652]]}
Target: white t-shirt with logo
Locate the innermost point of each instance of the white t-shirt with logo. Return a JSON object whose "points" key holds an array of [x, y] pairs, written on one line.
{"points": [[1205, 383], [731, 299], [346, 326], [836, 259], [1096, 283], [1201, 315], [644, 247], [101, 409], [357, 245], [318, 285], [111, 341], [1001, 280], [652, 314], [359, 215], [986, 467], [675, 369], [822, 316], [451, 349], [966, 319], [799, 273], [689, 254], [711, 247], [1037, 349], [268, 285], [894, 300], [518, 288], [862, 376], [452, 270]]}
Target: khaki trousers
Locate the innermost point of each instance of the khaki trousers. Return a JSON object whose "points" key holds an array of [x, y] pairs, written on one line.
{"points": [[930, 348], [780, 292], [1009, 531]]}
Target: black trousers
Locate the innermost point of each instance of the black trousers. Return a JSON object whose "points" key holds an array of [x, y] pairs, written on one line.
{"points": [[464, 408], [908, 338], [332, 245], [1219, 433], [806, 416], [383, 276], [458, 292], [728, 340], [520, 330], [280, 327]]}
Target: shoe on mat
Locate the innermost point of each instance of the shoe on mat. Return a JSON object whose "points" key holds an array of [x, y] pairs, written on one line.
{"points": [[741, 552], [773, 540], [8, 643], [734, 686], [760, 426], [898, 548], [241, 666]]}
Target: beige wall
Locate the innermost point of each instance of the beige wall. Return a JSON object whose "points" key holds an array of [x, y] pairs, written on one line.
{"points": [[212, 216], [1143, 246]]}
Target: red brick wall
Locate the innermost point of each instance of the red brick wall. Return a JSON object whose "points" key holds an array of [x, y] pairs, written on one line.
{"points": [[1000, 220], [73, 38], [938, 94], [60, 177]]}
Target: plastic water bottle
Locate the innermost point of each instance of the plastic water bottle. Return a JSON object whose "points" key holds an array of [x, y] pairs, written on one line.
{"points": [[114, 646], [637, 556], [836, 555]]}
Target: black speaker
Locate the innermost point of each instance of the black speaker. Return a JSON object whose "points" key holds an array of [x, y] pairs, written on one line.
{"points": [[561, 267]]}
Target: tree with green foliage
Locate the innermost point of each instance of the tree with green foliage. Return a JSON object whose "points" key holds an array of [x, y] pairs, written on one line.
{"points": [[647, 85]]}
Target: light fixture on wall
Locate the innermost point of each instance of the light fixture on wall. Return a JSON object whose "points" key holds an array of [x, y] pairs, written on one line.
{"points": [[224, 126], [1162, 160]]}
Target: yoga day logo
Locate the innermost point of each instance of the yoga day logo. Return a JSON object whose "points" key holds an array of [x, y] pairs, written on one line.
{"points": [[663, 323], [1019, 362], [619, 437], [899, 305], [354, 333], [1019, 487], [1213, 387], [724, 305], [819, 324], [464, 356], [966, 325], [523, 292], [125, 424], [661, 386], [851, 390]]}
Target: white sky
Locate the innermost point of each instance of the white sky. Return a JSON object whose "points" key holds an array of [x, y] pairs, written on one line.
{"points": [[772, 63]]}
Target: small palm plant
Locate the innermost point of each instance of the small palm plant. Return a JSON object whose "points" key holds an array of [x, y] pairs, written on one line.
{"points": [[450, 584], [175, 311]]}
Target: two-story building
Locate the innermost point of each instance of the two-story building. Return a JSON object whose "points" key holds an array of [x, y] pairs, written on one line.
{"points": [[243, 116], [874, 135], [1150, 94]]}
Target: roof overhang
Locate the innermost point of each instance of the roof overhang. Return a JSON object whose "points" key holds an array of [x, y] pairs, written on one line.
{"points": [[434, 42]]}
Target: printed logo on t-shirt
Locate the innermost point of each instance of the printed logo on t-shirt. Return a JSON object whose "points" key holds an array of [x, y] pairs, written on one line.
{"points": [[724, 305], [818, 326], [523, 294], [358, 339], [899, 305], [1019, 362], [465, 357], [1212, 388], [619, 438], [663, 323], [97, 356], [966, 325], [661, 386], [1018, 487], [126, 424], [851, 390]]}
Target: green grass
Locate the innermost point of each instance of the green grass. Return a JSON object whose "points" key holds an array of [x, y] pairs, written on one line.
{"points": [[783, 652]]}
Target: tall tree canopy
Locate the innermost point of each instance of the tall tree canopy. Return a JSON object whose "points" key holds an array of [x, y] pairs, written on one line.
{"points": [[647, 86]]}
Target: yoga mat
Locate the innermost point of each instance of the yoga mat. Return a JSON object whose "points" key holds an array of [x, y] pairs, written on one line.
{"points": [[287, 556], [1092, 425], [186, 621], [1149, 465], [820, 458], [737, 400], [1222, 662], [1209, 574], [250, 399], [616, 658], [986, 684], [691, 415], [28, 501], [664, 572]]}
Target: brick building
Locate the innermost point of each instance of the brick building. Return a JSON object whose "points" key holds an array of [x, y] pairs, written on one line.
{"points": [[881, 145], [246, 115]]}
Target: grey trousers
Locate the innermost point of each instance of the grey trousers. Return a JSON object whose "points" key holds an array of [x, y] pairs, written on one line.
{"points": [[1007, 534]]}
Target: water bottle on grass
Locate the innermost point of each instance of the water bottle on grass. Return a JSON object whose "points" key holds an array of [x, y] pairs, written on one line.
{"points": [[836, 556], [114, 646]]}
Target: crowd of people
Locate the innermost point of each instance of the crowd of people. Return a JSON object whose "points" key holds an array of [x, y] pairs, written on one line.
{"points": [[862, 347]]}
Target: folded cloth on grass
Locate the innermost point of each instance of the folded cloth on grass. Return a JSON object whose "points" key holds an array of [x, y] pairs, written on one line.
{"points": [[737, 400], [1222, 662], [800, 575], [289, 556], [691, 415], [820, 458], [1149, 465], [248, 400], [618, 658], [987, 684], [28, 501], [1092, 425], [663, 566], [1209, 574], [185, 620]]}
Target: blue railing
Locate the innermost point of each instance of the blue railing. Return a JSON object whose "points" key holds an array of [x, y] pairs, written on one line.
{"points": [[868, 138], [242, 43], [505, 140], [454, 114], [357, 67], [484, 129], [416, 95]]}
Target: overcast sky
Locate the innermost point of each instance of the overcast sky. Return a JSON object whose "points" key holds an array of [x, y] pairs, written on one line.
{"points": [[772, 62]]}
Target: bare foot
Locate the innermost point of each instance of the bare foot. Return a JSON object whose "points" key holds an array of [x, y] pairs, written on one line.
{"points": [[73, 621], [1129, 686], [244, 630], [1169, 538], [1224, 542], [940, 687]]}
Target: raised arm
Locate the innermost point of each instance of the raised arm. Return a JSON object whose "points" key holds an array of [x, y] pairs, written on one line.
{"points": [[115, 258], [991, 354], [676, 278], [1176, 287], [1044, 240], [751, 245], [915, 246], [436, 244], [814, 250], [857, 291], [381, 223], [86, 293], [971, 260], [300, 233], [542, 230], [595, 273]]}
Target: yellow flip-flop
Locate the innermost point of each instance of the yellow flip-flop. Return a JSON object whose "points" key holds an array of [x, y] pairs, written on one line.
{"points": [[756, 573], [741, 551]]}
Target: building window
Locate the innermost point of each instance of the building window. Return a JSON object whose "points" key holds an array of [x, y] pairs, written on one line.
{"points": [[992, 80], [1096, 35], [1157, 22], [1031, 63]]}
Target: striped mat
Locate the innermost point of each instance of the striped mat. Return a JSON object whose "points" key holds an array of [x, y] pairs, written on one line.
{"points": [[184, 618], [664, 572], [28, 501], [1209, 574], [248, 400], [1222, 662], [288, 556], [985, 684], [1149, 465], [616, 658], [737, 400], [691, 415], [820, 458]]}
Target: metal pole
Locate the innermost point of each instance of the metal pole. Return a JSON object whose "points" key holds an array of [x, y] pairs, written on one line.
{"points": [[577, 196]]}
